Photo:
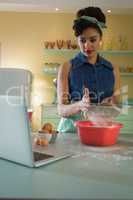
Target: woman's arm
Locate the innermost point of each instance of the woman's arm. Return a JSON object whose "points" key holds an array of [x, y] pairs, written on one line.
{"points": [[65, 109]]}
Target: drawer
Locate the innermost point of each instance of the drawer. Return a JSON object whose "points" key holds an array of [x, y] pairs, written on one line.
{"points": [[50, 115], [127, 114], [49, 111], [124, 117], [126, 131], [53, 121], [50, 108], [127, 126]]}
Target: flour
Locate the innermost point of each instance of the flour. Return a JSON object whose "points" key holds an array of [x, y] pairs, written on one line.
{"points": [[98, 119], [102, 115], [114, 158]]}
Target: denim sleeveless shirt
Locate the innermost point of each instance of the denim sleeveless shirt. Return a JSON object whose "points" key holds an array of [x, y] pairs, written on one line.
{"points": [[98, 78]]}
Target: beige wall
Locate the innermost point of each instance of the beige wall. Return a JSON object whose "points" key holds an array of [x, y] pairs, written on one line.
{"points": [[22, 36], [120, 25]]}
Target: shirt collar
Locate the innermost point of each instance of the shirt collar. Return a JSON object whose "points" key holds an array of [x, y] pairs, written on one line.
{"points": [[81, 59]]}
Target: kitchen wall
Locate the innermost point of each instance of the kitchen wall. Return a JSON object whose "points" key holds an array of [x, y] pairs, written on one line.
{"points": [[22, 36]]}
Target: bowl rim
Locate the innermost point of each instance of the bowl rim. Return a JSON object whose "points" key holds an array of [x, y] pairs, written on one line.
{"points": [[115, 124]]}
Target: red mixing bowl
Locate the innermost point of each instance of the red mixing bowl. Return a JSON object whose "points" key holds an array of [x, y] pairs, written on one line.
{"points": [[91, 134]]}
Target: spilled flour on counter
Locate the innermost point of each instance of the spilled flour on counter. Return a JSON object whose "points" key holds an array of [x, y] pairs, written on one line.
{"points": [[114, 157]]}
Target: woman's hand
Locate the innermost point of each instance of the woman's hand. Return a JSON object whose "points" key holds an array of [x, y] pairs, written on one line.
{"points": [[85, 102], [109, 101]]}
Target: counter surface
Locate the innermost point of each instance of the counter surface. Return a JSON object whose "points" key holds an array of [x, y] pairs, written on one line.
{"points": [[92, 172]]}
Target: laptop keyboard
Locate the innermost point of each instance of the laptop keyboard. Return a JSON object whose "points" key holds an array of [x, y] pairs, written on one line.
{"points": [[41, 156]]}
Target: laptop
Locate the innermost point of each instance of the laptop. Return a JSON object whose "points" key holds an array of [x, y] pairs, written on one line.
{"points": [[16, 136]]}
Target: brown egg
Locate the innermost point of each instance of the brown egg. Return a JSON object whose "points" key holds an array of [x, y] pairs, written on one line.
{"points": [[38, 141], [47, 127], [53, 132], [44, 142]]}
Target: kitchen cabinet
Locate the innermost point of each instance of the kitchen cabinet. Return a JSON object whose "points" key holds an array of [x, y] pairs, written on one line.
{"points": [[50, 115], [126, 118]]}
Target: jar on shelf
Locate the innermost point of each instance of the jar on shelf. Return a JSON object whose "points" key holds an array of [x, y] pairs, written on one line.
{"points": [[52, 45], [122, 68], [46, 44]]}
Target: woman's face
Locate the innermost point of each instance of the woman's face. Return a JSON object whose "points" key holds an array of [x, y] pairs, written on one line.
{"points": [[89, 41]]}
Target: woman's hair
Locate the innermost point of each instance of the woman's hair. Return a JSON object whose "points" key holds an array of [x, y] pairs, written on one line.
{"points": [[80, 24]]}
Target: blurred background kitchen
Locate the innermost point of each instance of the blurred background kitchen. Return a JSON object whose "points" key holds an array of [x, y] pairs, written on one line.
{"points": [[38, 36]]}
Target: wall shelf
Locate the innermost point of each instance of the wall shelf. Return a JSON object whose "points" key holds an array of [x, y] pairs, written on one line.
{"points": [[75, 51], [126, 74], [50, 72], [53, 73], [69, 53], [117, 52], [61, 52]]}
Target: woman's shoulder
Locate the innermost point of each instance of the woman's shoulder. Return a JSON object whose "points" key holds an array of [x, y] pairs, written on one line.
{"points": [[78, 60], [77, 57], [106, 62], [111, 65], [65, 67], [75, 61]]}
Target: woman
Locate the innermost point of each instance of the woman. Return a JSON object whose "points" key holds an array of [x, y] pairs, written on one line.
{"points": [[88, 77]]}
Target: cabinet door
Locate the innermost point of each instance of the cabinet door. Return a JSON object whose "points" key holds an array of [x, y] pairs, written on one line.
{"points": [[127, 121], [127, 127], [50, 114], [50, 111], [53, 121]]}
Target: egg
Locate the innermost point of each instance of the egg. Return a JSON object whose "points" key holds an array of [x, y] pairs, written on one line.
{"points": [[44, 142]]}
